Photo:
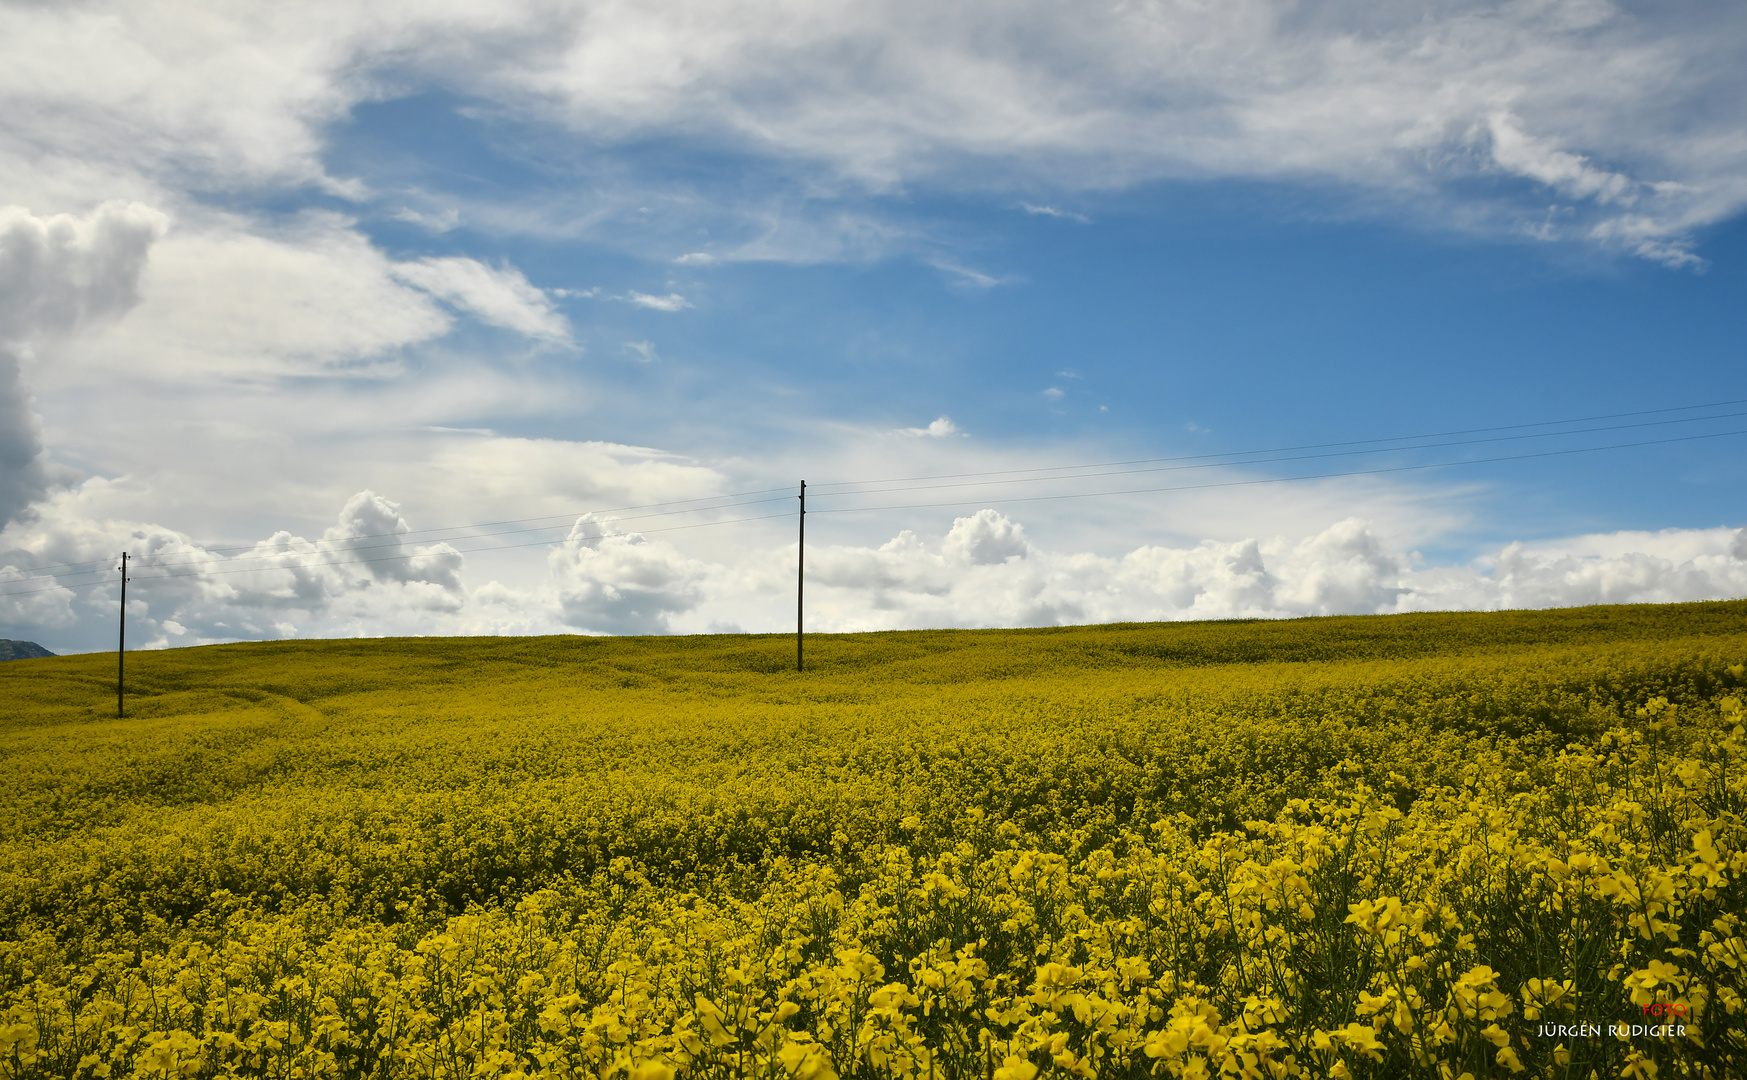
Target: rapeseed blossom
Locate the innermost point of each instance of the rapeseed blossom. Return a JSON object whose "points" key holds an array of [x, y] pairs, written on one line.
{"points": [[1510, 916]]}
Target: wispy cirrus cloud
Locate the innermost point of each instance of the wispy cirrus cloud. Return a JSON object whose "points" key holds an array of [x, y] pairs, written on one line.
{"points": [[970, 278], [498, 295], [1055, 212], [670, 302], [1573, 99]]}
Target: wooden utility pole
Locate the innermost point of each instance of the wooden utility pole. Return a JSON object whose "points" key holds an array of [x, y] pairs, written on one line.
{"points": [[800, 576], [121, 647]]}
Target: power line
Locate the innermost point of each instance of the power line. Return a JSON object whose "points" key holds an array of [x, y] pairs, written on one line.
{"points": [[100, 565], [400, 538], [568, 519], [959, 502], [1286, 479], [1224, 463], [1232, 459], [1306, 446]]}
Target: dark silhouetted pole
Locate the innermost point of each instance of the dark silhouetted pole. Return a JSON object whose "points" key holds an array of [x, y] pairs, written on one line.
{"points": [[121, 645], [800, 575]]}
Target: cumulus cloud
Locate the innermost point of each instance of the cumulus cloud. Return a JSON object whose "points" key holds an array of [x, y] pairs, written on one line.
{"points": [[1614, 568], [497, 295], [61, 273], [58, 275], [360, 569], [25, 472], [1342, 569], [614, 582], [984, 572], [361, 576], [366, 575], [30, 602], [984, 539], [371, 528], [939, 428]]}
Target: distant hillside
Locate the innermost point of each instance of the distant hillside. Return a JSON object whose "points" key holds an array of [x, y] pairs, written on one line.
{"points": [[21, 650]]}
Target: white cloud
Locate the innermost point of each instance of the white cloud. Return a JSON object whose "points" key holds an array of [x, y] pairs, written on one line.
{"points": [[984, 539], [670, 302], [987, 574], [26, 473], [613, 582], [1051, 211], [224, 298], [441, 222], [313, 298], [30, 601], [371, 528], [1612, 111], [1613, 568], [360, 577], [369, 574], [939, 428], [1345, 568], [1568, 173], [503, 476], [497, 295], [235, 331], [644, 351], [975, 279], [984, 573], [58, 275], [1356, 95]]}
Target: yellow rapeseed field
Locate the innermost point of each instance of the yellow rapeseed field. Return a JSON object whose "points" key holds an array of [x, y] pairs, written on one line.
{"points": [[1410, 846]]}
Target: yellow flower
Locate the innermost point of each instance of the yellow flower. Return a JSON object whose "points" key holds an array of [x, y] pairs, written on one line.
{"points": [[1016, 1068]]}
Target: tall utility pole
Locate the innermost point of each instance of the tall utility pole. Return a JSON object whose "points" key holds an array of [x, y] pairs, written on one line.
{"points": [[121, 645], [800, 576]]}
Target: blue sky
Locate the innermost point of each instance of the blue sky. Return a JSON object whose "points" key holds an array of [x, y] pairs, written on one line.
{"points": [[287, 288]]}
